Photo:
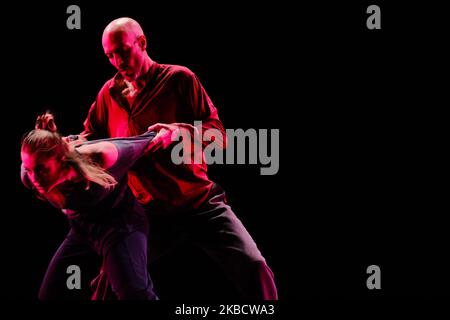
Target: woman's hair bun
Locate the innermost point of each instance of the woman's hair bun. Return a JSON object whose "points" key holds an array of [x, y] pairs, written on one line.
{"points": [[46, 121]]}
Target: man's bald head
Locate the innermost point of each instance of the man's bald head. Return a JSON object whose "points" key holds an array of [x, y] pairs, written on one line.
{"points": [[123, 25], [125, 46]]}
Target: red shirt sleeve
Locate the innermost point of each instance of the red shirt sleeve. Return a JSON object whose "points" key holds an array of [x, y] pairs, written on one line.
{"points": [[203, 109], [95, 124]]}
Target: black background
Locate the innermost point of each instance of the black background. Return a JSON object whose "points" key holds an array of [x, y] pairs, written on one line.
{"points": [[359, 114]]}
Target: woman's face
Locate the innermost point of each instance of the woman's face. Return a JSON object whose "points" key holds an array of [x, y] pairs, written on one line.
{"points": [[43, 172]]}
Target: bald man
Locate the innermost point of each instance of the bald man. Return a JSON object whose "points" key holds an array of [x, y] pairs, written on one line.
{"points": [[180, 200]]}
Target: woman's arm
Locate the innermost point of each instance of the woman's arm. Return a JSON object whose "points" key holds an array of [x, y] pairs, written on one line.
{"points": [[118, 155], [103, 153]]}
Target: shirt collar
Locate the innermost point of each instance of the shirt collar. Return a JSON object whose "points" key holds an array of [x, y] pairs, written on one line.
{"points": [[118, 80]]}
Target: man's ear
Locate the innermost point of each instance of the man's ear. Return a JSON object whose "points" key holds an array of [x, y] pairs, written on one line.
{"points": [[142, 40]]}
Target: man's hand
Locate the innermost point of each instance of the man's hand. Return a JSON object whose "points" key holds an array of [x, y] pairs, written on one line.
{"points": [[167, 133], [74, 140]]}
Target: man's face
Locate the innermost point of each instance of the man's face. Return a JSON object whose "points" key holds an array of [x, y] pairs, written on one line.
{"points": [[124, 53], [42, 172]]}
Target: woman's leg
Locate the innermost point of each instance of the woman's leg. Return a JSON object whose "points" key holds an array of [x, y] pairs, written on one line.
{"points": [[74, 250], [125, 264]]}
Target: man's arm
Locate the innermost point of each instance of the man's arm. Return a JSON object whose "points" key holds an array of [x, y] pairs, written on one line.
{"points": [[203, 110], [95, 122]]}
